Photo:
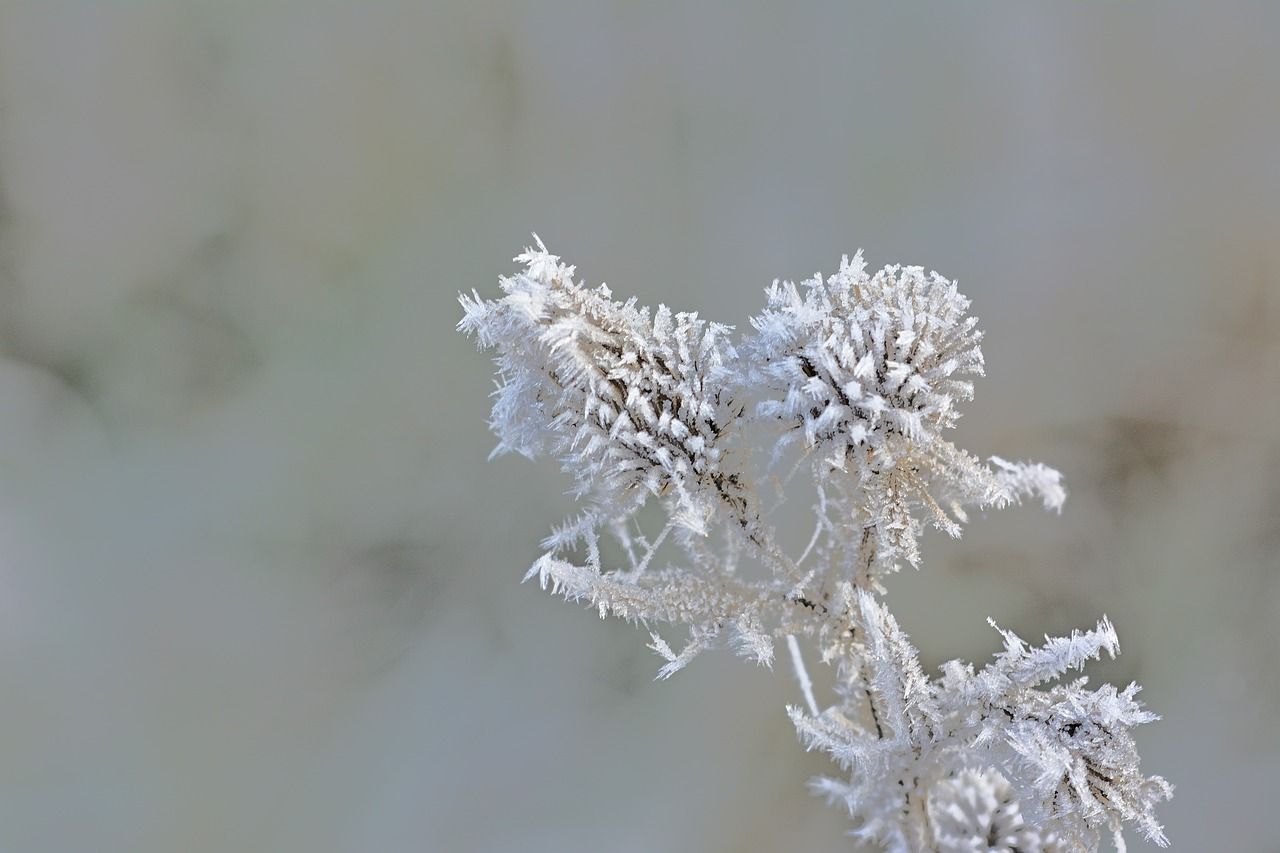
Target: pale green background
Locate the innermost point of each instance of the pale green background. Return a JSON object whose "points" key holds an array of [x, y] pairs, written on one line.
{"points": [[259, 587]]}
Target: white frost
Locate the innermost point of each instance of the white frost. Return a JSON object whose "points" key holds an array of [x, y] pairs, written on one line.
{"points": [[856, 377]]}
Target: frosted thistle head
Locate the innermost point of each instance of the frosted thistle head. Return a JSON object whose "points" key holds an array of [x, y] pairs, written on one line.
{"points": [[860, 361], [973, 811], [866, 372], [632, 405]]}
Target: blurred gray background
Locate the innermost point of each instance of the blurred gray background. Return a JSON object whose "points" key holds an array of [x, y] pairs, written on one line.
{"points": [[259, 588]]}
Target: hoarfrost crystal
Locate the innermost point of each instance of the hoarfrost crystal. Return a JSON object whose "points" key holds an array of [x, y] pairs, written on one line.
{"points": [[857, 377]]}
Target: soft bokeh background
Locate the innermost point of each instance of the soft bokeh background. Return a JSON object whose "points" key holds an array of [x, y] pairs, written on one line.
{"points": [[258, 585]]}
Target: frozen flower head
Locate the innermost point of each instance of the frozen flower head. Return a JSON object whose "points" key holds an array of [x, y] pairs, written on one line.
{"points": [[867, 372], [977, 811], [860, 361], [632, 404]]}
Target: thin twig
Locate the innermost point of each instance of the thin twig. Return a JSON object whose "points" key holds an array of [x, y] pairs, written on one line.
{"points": [[802, 675]]}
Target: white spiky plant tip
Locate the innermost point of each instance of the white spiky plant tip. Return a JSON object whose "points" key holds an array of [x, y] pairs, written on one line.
{"points": [[856, 377]]}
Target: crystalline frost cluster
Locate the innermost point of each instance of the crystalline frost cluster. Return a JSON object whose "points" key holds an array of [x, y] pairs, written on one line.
{"points": [[853, 379]]}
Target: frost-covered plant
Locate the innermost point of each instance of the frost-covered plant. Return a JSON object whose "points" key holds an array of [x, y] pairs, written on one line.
{"points": [[857, 377]]}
